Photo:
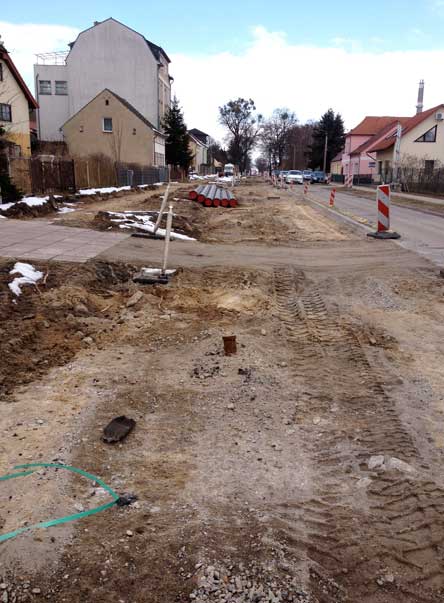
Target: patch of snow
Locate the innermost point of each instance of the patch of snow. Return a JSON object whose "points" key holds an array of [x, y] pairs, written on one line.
{"points": [[155, 271], [145, 224], [34, 201], [65, 210], [109, 189], [30, 201], [30, 276]]}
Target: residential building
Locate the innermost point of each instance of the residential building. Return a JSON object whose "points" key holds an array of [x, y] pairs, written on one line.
{"points": [[109, 125], [16, 106], [336, 164], [199, 149], [421, 145], [110, 56], [356, 161]]}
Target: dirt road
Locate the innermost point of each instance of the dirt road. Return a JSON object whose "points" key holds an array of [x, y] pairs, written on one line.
{"points": [[307, 467]]}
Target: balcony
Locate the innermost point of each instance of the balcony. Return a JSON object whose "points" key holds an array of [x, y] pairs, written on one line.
{"points": [[51, 58]]}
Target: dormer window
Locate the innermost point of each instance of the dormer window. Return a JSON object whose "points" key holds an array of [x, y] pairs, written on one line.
{"points": [[429, 136]]}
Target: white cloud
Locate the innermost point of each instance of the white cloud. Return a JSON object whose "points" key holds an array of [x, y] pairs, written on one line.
{"points": [[275, 73], [307, 79], [25, 40]]}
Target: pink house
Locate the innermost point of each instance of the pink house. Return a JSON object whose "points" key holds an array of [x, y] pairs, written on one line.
{"points": [[356, 159]]}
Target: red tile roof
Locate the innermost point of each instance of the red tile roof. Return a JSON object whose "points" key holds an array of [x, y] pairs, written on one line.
{"points": [[4, 55], [371, 124], [387, 131], [407, 125]]}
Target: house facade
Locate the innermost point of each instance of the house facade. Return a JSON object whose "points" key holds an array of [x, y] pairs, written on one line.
{"points": [[108, 125], [108, 55], [199, 149], [16, 106], [421, 145], [355, 158]]}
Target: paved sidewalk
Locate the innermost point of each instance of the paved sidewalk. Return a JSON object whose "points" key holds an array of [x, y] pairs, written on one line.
{"points": [[412, 196], [40, 240]]}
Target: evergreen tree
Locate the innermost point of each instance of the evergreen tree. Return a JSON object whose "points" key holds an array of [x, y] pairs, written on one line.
{"points": [[177, 151], [333, 126], [8, 191]]}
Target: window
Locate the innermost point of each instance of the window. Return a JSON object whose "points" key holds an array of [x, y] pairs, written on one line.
{"points": [[1, 72], [429, 136], [107, 124], [159, 159], [45, 87], [134, 131], [61, 88], [5, 112], [107, 102], [429, 166]]}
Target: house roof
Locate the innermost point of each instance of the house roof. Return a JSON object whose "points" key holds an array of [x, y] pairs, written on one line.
{"points": [[337, 157], [156, 50], [407, 125], [197, 140], [371, 124], [4, 55], [203, 137], [383, 132], [126, 104]]}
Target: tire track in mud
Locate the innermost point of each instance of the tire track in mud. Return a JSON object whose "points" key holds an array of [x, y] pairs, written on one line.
{"points": [[368, 535]]}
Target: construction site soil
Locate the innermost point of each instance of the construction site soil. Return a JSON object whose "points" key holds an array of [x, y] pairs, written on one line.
{"points": [[306, 467]]}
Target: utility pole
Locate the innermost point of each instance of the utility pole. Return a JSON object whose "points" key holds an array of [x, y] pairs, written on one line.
{"points": [[325, 153], [397, 154]]}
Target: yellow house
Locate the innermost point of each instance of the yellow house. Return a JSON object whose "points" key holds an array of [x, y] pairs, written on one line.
{"points": [[422, 142], [109, 125], [16, 105]]}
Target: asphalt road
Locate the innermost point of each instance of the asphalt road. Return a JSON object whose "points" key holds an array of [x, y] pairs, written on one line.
{"points": [[420, 232]]}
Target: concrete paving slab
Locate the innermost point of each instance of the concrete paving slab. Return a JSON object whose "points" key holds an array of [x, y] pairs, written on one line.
{"points": [[42, 240]]}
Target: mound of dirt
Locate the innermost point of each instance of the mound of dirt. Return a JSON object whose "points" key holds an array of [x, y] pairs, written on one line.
{"points": [[105, 220], [23, 210], [48, 325]]}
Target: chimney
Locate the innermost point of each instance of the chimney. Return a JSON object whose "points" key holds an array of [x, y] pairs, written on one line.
{"points": [[96, 23], [420, 105]]}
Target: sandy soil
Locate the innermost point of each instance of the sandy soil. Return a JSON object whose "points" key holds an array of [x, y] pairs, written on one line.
{"points": [[253, 464]]}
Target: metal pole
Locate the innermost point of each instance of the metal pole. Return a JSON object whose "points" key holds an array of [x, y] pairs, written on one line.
{"points": [[162, 208], [325, 153], [167, 239]]}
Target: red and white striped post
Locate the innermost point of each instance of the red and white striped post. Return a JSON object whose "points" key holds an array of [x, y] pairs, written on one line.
{"points": [[328, 181], [349, 181], [306, 188], [332, 197], [383, 200]]}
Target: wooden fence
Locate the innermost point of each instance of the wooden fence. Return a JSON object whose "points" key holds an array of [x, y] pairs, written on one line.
{"points": [[50, 174]]}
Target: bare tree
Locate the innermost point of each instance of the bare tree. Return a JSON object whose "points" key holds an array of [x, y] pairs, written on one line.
{"points": [[243, 125], [274, 136]]}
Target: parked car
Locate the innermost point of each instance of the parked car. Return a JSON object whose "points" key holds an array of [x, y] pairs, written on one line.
{"points": [[294, 176], [318, 177], [307, 174]]}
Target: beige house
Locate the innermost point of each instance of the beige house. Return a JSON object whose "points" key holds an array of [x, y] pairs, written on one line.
{"points": [[16, 106], [109, 125], [422, 142], [199, 148]]}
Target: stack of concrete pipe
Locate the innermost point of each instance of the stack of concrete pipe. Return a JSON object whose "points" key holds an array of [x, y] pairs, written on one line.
{"points": [[212, 195]]}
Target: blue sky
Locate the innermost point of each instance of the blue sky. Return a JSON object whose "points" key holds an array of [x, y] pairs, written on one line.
{"points": [[358, 58], [375, 24]]}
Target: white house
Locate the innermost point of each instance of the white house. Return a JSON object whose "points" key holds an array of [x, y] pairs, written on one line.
{"points": [[108, 55]]}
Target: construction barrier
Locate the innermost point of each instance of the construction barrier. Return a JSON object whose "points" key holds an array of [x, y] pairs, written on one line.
{"points": [[332, 197], [383, 201], [349, 181], [306, 187]]}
